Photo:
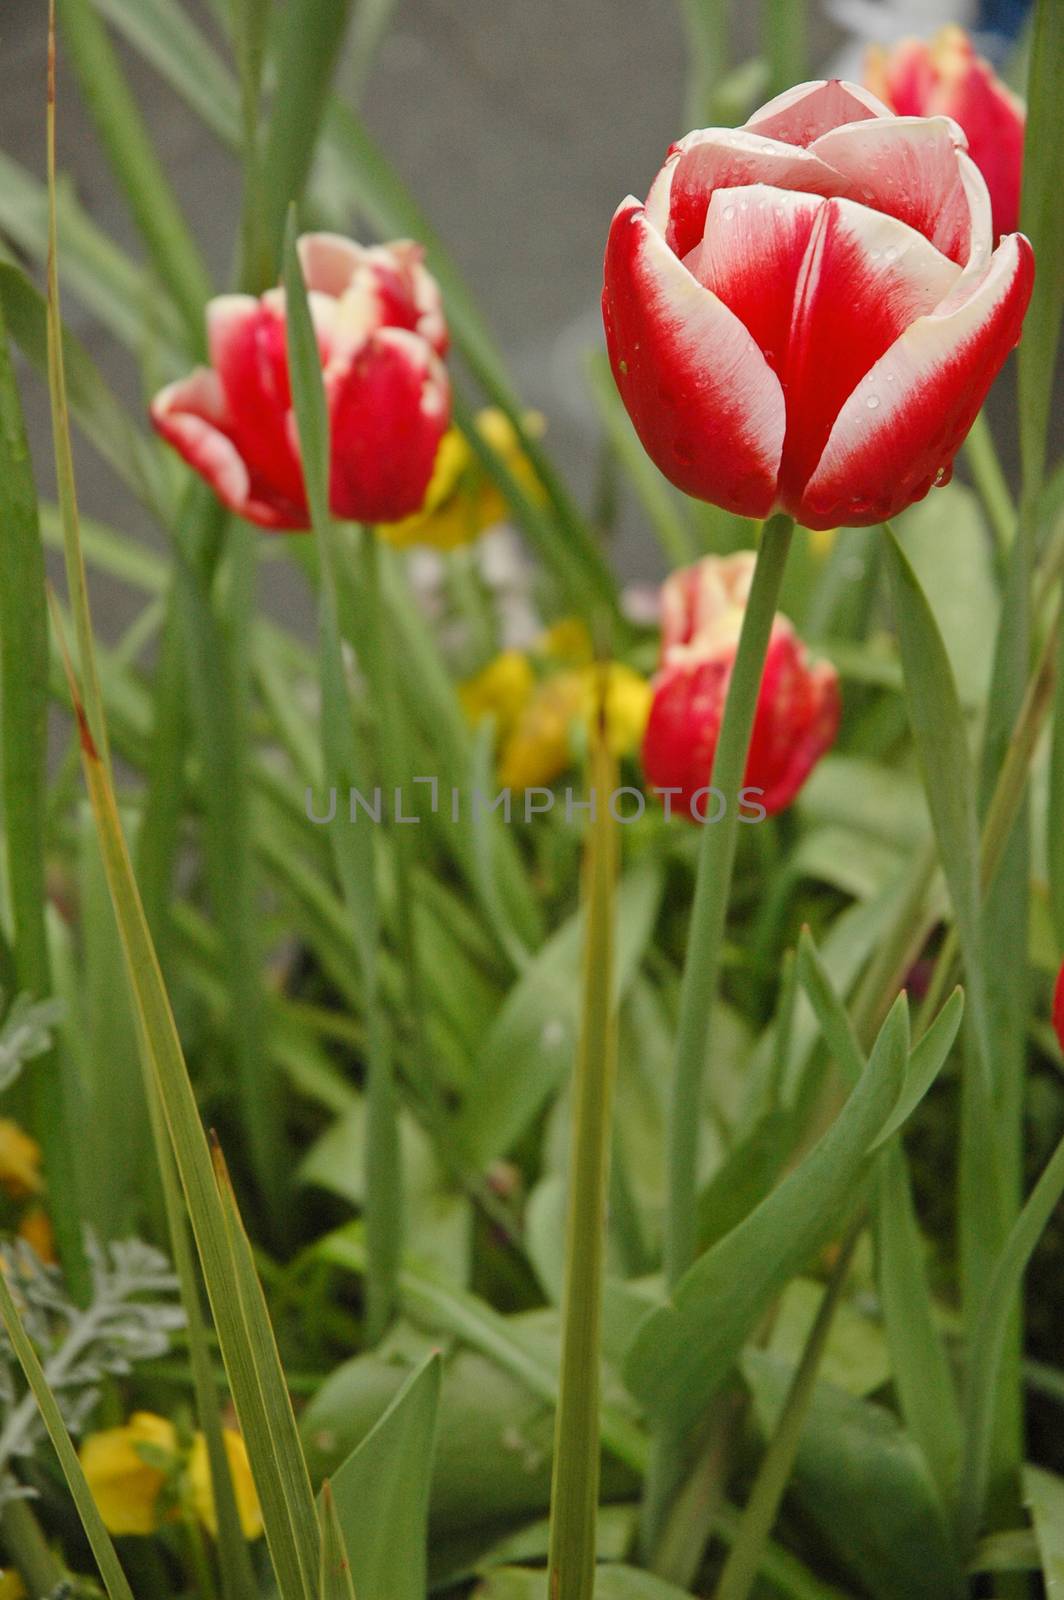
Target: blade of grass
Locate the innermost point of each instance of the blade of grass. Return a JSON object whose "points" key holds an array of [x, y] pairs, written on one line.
{"points": [[103, 1550], [135, 165], [988, 1343], [577, 1447], [746, 1556], [784, 30], [353, 844], [309, 39]]}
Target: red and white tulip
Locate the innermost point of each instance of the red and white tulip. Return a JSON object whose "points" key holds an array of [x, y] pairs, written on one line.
{"points": [[944, 77], [808, 311], [381, 332], [798, 705]]}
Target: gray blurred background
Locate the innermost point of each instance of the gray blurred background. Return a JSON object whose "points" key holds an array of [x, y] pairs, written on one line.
{"points": [[518, 124]]}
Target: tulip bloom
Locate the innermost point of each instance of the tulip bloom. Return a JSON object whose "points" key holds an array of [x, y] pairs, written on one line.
{"points": [[798, 706], [1058, 1006], [945, 78], [381, 332], [807, 313]]}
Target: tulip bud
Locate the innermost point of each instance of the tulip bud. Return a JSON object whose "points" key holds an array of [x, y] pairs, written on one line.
{"points": [[807, 312], [798, 705], [945, 78], [381, 332]]}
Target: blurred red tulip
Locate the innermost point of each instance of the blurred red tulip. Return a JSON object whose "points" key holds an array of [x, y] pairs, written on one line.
{"points": [[381, 331], [1058, 1006], [807, 313], [945, 78], [798, 705]]}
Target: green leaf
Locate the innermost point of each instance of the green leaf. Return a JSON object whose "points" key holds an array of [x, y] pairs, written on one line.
{"points": [[99, 1539], [335, 1581], [529, 1046], [382, 1493], [309, 39], [167, 38], [136, 166], [989, 1339], [1055, 816], [611, 1583], [682, 1352], [1042, 219], [1044, 1495], [925, 1063], [860, 1479]]}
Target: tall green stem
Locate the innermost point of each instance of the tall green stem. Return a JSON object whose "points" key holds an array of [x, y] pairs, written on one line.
{"points": [[716, 861], [577, 1444], [712, 889]]}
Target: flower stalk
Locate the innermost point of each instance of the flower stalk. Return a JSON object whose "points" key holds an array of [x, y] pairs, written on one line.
{"points": [[575, 1482]]}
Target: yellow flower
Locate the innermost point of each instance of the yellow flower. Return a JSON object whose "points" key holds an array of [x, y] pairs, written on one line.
{"points": [[199, 1478], [461, 501], [501, 690], [126, 1486], [568, 642], [822, 541], [20, 1161], [35, 1226], [11, 1585], [539, 749]]}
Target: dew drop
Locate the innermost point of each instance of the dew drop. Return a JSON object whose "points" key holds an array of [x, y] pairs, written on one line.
{"points": [[891, 252], [729, 213], [872, 402], [874, 255]]}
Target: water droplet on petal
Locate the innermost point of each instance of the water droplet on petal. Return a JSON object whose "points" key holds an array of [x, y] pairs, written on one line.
{"points": [[891, 252], [729, 213], [872, 402]]}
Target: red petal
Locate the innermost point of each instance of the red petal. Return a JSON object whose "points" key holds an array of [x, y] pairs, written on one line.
{"points": [[247, 347], [797, 719], [993, 121], [389, 410], [865, 277], [903, 425], [705, 404], [1058, 1007], [191, 415], [800, 115]]}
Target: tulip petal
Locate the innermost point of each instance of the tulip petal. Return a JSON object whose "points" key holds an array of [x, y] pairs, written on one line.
{"points": [[247, 343], [389, 409], [802, 114], [864, 278], [329, 262], [908, 168], [902, 426], [705, 403], [751, 255], [729, 158], [192, 416]]}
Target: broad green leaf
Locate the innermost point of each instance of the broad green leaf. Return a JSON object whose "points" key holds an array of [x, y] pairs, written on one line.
{"points": [[528, 1048], [382, 1493], [855, 1356], [114, 1578], [865, 1486], [1044, 1496], [925, 1063], [945, 538], [744, 1178], [682, 1352]]}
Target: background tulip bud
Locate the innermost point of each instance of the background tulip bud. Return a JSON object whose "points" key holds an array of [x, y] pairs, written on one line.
{"points": [[798, 705], [381, 331], [1058, 1006], [945, 78], [808, 311]]}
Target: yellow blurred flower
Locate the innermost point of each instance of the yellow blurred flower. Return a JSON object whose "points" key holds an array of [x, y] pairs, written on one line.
{"points": [[125, 1485], [501, 690], [539, 749], [822, 541], [462, 502], [35, 1226], [127, 1469], [568, 642], [20, 1161], [199, 1477], [11, 1585]]}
